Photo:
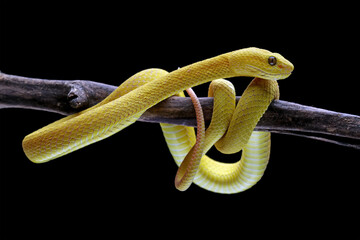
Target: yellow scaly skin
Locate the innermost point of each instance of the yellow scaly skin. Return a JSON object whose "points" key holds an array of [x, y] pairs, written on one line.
{"points": [[222, 177], [116, 113]]}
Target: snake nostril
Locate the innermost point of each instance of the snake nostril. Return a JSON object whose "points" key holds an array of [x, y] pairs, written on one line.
{"points": [[286, 67]]}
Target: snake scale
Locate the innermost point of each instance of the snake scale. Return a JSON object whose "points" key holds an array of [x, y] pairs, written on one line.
{"points": [[231, 128]]}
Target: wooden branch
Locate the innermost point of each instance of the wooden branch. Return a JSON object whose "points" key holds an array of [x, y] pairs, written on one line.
{"points": [[60, 96], [67, 97]]}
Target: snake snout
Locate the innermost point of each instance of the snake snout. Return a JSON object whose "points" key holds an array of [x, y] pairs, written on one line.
{"points": [[283, 66], [287, 68]]}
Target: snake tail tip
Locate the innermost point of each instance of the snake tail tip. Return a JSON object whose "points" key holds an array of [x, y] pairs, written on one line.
{"points": [[179, 184]]}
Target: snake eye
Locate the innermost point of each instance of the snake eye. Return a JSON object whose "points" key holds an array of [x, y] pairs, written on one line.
{"points": [[272, 61]]}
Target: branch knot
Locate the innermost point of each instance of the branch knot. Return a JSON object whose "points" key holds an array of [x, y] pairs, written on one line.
{"points": [[77, 97]]}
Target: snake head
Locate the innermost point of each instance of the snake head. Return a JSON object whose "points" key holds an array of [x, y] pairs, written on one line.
{"points": [[256, 62]]}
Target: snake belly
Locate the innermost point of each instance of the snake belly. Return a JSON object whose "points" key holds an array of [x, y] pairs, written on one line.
{"points": [[122, 108]]}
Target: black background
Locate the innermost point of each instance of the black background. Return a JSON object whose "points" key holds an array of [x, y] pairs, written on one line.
{"points": [[124, 184]]}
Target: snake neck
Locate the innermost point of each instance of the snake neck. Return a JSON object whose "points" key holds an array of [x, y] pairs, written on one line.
{"points": [[186, 77], [202, 72]]}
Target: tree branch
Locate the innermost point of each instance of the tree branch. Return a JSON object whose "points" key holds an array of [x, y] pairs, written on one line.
{"points": [[59, 96], [68, 97]]}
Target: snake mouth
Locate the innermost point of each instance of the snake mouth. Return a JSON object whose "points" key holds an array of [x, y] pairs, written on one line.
{"points": [[268, 75]]}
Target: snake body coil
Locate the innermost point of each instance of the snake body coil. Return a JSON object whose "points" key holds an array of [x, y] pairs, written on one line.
{"points": [[126, 104]]}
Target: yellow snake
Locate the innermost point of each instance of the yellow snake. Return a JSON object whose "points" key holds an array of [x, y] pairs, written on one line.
{"points": [[231, 130]]}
